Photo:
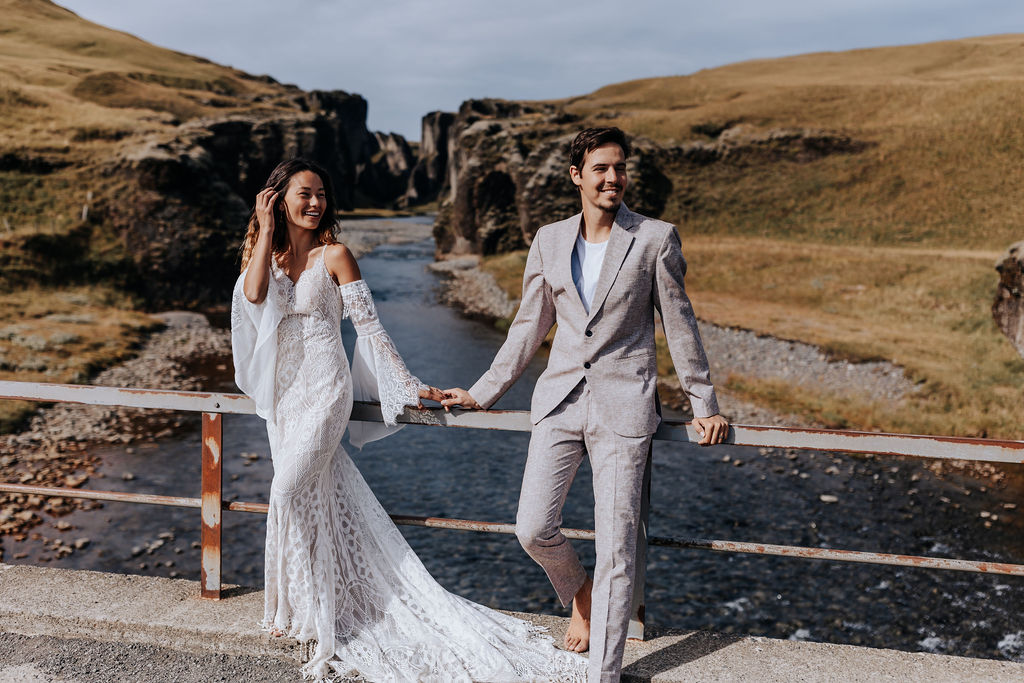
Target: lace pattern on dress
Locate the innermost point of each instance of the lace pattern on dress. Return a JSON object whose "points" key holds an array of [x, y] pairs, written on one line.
{"points": [[398, 387]]}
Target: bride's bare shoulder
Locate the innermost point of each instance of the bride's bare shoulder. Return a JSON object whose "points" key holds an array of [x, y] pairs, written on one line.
{"points": [[341, 264]]}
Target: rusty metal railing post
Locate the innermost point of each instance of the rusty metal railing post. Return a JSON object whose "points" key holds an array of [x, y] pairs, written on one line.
{"points": [[213, 439], [636, 622]]}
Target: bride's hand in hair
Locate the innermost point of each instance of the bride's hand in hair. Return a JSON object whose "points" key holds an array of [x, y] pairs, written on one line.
{"points": [[265, 209]]}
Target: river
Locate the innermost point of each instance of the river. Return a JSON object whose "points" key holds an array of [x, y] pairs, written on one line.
{"points": [[884, 505]]}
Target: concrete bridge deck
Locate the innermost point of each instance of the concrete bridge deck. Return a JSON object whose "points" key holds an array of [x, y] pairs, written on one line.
{"points": [[77, 626]]}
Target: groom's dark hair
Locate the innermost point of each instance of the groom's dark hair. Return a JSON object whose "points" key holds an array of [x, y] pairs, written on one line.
{"points": [[590, 139]]}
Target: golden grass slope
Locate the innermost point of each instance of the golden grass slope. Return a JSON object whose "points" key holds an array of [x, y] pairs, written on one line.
{"points": [[928, 311], [67, 80], [945, 119], [73, 95]]}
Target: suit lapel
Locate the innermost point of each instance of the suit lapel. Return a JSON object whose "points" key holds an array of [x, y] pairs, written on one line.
{"points": [[563, 265], [618, 246]]}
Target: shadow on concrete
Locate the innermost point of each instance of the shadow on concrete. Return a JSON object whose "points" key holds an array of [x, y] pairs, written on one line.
{"points": [[237, 591], [683, 648]]}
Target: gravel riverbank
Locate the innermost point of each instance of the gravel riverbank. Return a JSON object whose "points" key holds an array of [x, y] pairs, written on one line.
{"points": [[732, 352], [471, 290], [363, 235], [54, 450]]}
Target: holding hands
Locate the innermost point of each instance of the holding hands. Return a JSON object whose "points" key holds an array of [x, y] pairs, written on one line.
{"points": [[449, 397], [461, 398], [431, 394]]}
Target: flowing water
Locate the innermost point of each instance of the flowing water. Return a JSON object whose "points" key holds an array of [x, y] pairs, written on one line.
{"points": [[884, 504]]}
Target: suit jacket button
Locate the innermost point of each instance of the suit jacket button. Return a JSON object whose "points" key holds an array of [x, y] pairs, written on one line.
{"points": [[590, 333], [586, 365]]}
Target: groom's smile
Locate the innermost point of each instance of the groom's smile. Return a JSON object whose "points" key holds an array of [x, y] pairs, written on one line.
{"points": [[602, 180]]}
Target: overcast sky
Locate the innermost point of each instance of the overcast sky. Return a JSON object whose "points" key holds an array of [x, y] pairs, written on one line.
{"points": [[409, 57]]}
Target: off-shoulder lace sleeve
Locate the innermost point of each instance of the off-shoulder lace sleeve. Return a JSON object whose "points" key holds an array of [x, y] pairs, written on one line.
{"points": [[254, 344], [378, 372]]}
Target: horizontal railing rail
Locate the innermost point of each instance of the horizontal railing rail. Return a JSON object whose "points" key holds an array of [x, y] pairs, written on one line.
{"points": [[212, 405], [985, 567], [845, 441]]}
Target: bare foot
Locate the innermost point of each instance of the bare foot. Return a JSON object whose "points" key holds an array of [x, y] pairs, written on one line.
{"points": [[577, 638]]}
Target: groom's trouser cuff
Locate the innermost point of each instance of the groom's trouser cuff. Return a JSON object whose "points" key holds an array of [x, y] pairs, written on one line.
{"points": [[618, 463]]}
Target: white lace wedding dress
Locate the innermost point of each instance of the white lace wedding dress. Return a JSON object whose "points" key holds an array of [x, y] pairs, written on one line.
{"points": [[339, 575]]}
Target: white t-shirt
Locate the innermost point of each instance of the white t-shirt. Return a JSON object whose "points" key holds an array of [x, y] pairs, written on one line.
{"points": [[587, 258]]}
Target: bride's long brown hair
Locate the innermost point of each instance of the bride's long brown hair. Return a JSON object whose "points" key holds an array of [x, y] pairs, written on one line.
{"points": [[279, 179]]}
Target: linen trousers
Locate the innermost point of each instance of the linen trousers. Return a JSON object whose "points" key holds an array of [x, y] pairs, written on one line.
{"points": [[557, 447]]}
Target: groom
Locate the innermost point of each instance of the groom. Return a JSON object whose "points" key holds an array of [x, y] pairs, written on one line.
{"points": [[600, 276]]}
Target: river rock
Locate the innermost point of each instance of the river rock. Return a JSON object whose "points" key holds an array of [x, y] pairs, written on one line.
{"points": [[474, 292], [507, 176], [1008, 309], [386, 178], [428, 175], [508, 169], [183, 199]]}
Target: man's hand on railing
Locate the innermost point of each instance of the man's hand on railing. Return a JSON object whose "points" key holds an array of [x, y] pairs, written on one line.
{"points": [[459, 397], [712, 429]]}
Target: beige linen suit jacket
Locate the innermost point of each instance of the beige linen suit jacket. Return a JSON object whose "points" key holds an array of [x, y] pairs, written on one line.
{"points": [[612, 346]]}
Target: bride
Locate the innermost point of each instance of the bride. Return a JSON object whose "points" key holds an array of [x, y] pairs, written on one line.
{"points": [[340, 577]]}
